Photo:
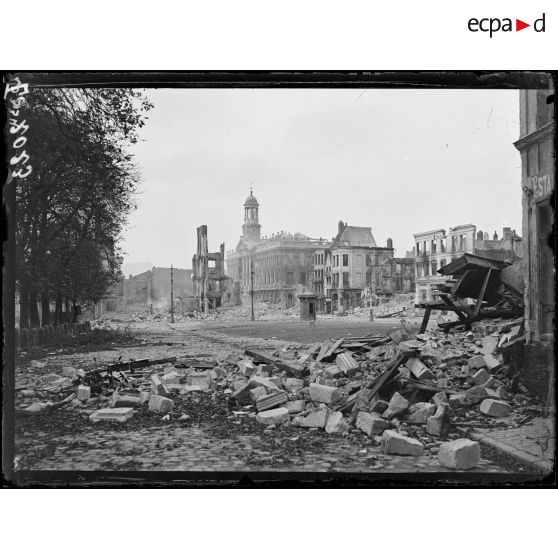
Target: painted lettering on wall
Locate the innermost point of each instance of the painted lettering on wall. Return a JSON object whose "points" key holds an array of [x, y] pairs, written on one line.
{"points": [[541, 186]]}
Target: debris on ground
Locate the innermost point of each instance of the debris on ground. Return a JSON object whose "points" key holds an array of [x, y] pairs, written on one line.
{"points": [[405, 393]]}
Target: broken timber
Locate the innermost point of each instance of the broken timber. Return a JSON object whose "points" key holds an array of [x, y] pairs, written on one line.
{"points": [[274, 361]]}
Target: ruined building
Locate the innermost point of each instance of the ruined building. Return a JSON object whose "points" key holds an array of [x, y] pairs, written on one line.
{"points": [[277, 268], [397, 276], [347, 268], [209, 278], [536, 145], [153, 288], [434, 249]]}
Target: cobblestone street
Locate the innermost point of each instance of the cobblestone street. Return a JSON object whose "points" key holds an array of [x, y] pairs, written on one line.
{"points": [[170, 445]]}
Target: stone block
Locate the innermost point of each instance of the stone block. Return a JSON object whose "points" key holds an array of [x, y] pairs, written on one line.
{"points": [[325, 382], [316, 419], [293, 385], [170, 376], [492, 363], [370, 424], [256, 393], [397, 405], [459, 454], [265, 370], [423, 413], [126, 399], [439, 423], [200, 379], [157, 387], [296, 406], [121, 414], [336, 424], [276, 399], [457, 401], [439, 398], [397, 444], [347, 364], [475, 395], [379, 406], [495, 408], [246, 367], [418, 369], [481, 376], [273, 416], [324, 394], [83, 393], [160, 404], [476, 362], [331, 372], [489, 344], [267, 383]]}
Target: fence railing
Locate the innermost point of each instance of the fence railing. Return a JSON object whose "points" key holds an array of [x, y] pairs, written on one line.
{"points": [[37, 336]]}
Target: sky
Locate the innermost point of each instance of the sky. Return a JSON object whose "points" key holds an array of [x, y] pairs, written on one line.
{"points": [[399, 161]]}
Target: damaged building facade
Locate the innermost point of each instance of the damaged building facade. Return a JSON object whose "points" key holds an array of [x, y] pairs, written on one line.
{"points": [[153, 288], [348, 268], [277, 268], [536, 146], [209, 277], [397, 276], [435, 249]]}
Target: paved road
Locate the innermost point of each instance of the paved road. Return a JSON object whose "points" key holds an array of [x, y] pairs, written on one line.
{"points": [[206, 443]]}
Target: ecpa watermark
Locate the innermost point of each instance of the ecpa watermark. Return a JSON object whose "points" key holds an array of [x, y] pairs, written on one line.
{"points": [[494, 25]]}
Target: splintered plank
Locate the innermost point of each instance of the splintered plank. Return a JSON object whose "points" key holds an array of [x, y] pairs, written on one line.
{"points": [[274, 361], [333, 348]]}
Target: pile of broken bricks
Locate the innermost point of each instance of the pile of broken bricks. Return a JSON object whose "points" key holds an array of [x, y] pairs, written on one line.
{"points": [[409, 394]]}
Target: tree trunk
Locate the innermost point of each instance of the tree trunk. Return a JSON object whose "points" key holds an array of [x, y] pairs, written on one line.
{"points": [[45, 310], [58, 311], [74, 312], [24, 304], [33, 309]]}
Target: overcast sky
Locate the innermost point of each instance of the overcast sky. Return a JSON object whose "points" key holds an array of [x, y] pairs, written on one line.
{"points": [[399, 161]]}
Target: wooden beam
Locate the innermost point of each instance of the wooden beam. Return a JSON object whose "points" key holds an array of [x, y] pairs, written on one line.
{"points": [[269, 359], [425, 320], [481, 294]]}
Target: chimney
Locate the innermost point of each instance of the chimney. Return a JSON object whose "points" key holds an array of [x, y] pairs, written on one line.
{"points": [[390, 243], [340, 228]]}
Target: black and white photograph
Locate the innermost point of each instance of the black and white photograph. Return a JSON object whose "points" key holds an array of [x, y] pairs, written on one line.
{"points": [[243, 277]]}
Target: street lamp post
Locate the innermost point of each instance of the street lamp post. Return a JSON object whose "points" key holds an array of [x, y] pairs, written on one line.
{"points": [[172, 295], [252, 288]]}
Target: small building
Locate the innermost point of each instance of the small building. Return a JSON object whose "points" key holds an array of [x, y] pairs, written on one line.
{"points": [[307, 306]]}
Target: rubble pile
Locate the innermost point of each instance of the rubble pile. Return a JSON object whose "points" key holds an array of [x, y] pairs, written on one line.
{"points": [[408, 394]]}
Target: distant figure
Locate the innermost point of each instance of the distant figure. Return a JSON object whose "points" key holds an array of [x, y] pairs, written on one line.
{"points": [[313, 320]]}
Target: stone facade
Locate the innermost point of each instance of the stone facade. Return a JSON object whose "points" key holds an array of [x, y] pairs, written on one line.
{"points": [[277, 268], [536, 145], [348, 268], [397, 276]]}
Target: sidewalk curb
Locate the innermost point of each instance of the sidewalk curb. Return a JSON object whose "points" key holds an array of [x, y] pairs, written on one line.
{"points": [[543, 465]]}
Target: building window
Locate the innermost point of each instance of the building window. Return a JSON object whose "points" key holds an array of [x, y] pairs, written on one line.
{"points": [[442, 245], [442, 263], [418, 248], [289, 277], [543, 109], [433, 266], [426, 267], [302, 278], [433, 246], [345, 260], [358, 280], [345, 278]]}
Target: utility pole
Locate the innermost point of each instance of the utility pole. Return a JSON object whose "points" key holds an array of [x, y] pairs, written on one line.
{"points": [[252, 287], [172, 296]]}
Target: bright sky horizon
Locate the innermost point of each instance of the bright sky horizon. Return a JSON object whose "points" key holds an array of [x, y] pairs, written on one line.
{"points": [[400, 161]]}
